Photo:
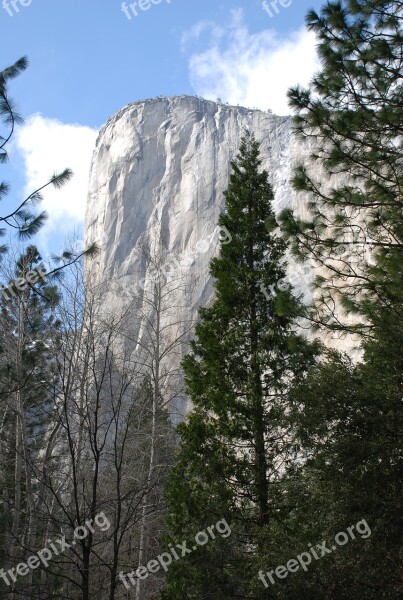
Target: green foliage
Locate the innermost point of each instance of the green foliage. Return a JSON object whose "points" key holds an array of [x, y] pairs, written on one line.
{"points": [[347, 413], [350, 427], [353, 112], [235, 446], [289, 449], [23, 219], [29, 341]]}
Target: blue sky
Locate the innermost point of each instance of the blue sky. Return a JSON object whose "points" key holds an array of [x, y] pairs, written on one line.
{"points": [[88, 59]]}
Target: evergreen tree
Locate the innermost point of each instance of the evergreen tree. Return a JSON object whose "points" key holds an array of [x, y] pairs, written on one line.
{"points": [[236, 448], [349, 422], [348, 414], [353, 116], [29, 335], [23, 219]]}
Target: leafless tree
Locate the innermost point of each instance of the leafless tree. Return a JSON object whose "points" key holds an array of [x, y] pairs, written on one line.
{"points": [[107, 438]]}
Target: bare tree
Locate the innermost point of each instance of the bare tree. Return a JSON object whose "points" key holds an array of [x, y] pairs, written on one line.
{"points": [[157, 313], [107, 441]]}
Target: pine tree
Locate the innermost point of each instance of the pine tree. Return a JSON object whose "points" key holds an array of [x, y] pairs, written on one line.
{"points": [[348, 413], [235, 445], [353, 116], [349, 424], [28, 341], [23, 219]]}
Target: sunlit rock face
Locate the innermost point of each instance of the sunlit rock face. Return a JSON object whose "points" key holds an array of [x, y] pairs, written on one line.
{"points": [[162, 165], [159, 171]]}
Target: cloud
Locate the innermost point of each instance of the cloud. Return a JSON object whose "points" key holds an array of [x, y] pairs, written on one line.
{"points": [[48, 146], [251, 69], [195, 32]]}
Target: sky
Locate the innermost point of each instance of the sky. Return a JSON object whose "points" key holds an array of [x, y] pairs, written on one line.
{"points": [[89, 58]]}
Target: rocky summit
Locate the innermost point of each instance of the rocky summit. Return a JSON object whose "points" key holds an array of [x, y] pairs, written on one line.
{"points": [[160, 168]]}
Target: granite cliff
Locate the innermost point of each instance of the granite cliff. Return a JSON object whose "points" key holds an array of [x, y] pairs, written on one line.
{"points": [[159, 170]]}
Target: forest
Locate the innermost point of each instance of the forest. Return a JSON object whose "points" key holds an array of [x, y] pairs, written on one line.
{"points": [[284, 481]]}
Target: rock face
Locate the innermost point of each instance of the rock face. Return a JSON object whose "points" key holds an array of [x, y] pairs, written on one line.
{"points": [[161, 166], [159, 169]]}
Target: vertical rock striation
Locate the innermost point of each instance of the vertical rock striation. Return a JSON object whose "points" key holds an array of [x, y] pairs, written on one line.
{"points": [[159, 170], [160, 167]]}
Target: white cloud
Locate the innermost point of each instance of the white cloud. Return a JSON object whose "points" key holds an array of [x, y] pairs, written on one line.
{"points": [[47, 147], [251, 69], [195, 32]]}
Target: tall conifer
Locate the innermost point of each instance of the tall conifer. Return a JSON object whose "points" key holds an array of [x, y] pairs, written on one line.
{"points": [[236, 445]]}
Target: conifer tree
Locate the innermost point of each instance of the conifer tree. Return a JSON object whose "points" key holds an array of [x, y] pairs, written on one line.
{"points": [[353, 117], [349, 424], [23, 219], [29, 333], [348, 413], [236, 446]]}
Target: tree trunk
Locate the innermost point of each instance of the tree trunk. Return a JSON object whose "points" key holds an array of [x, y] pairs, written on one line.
{"points": [[156, 394]]}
